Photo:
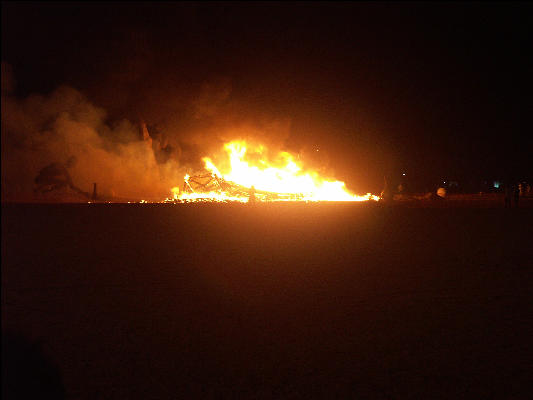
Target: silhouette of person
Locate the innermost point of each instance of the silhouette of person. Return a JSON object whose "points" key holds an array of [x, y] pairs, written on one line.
{"points": [[251, 199], [516, 195], [386, 193], [508, 196]]}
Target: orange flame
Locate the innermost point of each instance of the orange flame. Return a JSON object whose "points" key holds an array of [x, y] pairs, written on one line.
{"points": [[285, 176]]}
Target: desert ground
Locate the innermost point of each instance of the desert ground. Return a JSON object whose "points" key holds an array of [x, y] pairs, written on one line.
{"points": [[283, 301]]}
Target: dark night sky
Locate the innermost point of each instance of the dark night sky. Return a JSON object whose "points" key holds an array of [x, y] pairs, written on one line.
{"points": [[439, 90]]}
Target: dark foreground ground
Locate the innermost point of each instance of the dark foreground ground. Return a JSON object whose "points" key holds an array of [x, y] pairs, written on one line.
{"points": [[283, 301]]}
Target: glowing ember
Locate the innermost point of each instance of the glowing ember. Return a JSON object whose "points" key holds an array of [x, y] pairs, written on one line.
{"points": [[250, 174]]}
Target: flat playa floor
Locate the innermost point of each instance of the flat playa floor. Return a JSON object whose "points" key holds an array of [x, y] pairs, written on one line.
{"points": [[277, 301]]}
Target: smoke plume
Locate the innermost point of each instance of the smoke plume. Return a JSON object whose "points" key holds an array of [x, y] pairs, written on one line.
{"points": [[128, 159], [44, 129]]}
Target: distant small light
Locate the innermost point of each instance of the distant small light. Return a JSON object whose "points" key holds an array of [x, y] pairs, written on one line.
{"points": [[496, 184], [403, 174], [444, 182]]}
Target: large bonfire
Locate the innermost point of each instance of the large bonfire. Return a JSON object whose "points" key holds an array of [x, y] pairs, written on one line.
{"points": [[246, 174]]}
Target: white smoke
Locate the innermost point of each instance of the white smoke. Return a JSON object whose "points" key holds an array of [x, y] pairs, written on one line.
{"points": [[40, 130]]}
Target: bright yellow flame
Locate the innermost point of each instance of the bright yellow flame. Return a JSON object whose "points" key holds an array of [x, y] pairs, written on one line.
{"points": [[211, 196], [285, 176], [211, 167]]}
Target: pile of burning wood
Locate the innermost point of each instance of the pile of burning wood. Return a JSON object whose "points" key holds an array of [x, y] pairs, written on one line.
{"points": [[210, 187]]}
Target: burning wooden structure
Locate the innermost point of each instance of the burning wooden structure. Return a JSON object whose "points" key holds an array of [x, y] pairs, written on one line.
{"points": [[204, 186], [249, 174]]}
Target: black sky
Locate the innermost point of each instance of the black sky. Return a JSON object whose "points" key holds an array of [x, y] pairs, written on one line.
{"points": [[438, 89]]}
